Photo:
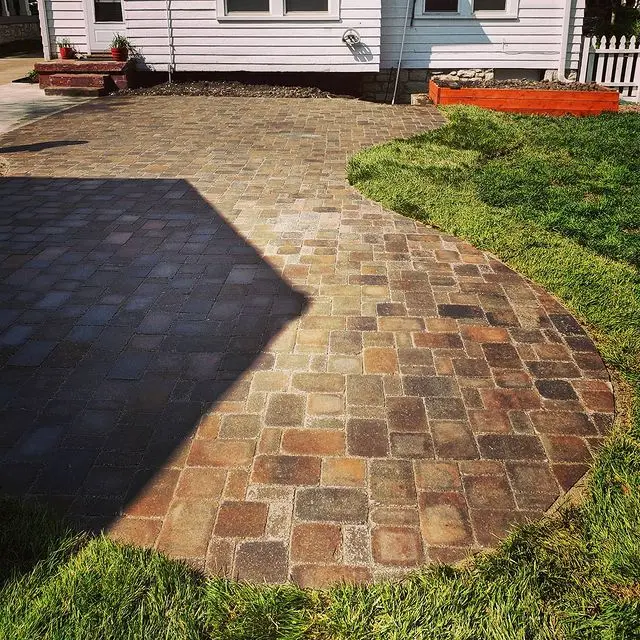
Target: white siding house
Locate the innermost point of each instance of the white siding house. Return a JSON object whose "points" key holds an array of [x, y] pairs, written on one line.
{"points": [[525, 35], [307, 35]]}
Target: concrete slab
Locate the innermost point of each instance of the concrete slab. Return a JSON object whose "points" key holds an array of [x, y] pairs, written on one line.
{"points": [[24, 103]]}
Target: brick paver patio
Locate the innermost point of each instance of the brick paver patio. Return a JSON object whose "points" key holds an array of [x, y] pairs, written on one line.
{"points": [[213, 345]]}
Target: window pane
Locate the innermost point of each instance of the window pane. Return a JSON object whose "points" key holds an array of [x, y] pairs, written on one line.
{"points": [[441, 5], [108, 10], [306, 5], [489, 5], [239, 6]]}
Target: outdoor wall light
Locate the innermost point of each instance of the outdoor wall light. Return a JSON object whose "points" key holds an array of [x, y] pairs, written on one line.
{"points": [[351, 37]]}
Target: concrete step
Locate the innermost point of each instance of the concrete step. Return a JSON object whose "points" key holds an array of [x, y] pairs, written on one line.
{"points": [[89, 92], [99, 55], [113, 75], [84, 80]]}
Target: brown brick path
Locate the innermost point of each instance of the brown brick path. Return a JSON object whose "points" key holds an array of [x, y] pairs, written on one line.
{"points": [[213, 345]]}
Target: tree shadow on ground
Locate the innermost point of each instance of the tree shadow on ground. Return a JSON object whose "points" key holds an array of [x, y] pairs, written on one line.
{"points": [[130, 308]]}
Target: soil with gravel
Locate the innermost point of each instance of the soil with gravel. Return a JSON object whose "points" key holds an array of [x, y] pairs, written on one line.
{"points": [[520, 84], [231, 88]]}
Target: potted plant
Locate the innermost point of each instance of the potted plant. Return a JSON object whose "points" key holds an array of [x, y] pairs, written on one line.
{"points": [[120, 47], [67, 52]]}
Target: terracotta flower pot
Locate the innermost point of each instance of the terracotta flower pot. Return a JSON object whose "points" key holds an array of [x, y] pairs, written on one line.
{"points": [[120, 54], [67, 53]]}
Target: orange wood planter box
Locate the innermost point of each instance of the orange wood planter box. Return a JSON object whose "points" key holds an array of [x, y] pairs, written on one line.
{"points": [[539, 101]]}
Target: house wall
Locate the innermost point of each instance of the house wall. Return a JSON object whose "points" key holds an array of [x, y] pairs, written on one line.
{"points": [[65, 19], [530, 41], [201, 43]]}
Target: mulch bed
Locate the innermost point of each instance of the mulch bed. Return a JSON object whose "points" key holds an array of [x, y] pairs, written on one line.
{"points": [[547, 85], [230, 88]]}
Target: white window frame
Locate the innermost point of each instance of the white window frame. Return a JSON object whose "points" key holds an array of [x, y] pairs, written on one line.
{"points": [[465, 12], [277, 13]]}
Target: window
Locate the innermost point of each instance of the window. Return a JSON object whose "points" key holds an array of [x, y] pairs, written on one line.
{"points": [[278, 9], [107, 10], [490, 5], [469, 9], [291, 6], [438, 6], [242, 6]]}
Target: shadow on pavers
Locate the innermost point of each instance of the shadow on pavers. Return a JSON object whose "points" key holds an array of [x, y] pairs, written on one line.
{"points": [[130, 308], [41, 146]]}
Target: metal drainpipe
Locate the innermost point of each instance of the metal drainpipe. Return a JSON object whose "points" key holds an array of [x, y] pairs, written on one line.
{"points": [[404, 33], [172, 58], [564, 45]]}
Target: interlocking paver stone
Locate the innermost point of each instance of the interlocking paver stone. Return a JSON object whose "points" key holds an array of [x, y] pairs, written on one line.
{"points": [[368, 438], [397, 546], [312, 543], [332, 504], [262, 562], [241, 519], [211, 333]]}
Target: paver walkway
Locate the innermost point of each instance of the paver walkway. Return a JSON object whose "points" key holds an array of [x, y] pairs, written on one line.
{"points": [[212, 344]]}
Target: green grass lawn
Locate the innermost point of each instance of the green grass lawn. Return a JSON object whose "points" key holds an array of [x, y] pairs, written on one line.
{"points": [[557, 199]]}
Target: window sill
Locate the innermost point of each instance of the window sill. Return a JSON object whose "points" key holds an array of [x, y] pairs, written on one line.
{"points": [[297, 17]]}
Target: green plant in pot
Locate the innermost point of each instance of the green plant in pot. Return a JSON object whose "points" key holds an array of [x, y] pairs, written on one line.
{"points": [[67, 52], [120, 47]]}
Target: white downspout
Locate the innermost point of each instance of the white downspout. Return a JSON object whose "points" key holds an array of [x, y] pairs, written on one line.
{"points": [[44, 29], [404, 33], [564, 45]]}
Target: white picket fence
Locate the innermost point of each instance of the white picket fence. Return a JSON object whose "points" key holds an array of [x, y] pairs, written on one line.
{"points": [[613, 63]]}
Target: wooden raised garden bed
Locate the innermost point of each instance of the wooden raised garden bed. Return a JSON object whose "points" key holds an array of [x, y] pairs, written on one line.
{"points": [[586, 101]]}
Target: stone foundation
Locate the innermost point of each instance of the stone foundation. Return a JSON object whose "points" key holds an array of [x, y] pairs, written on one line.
{"points": [[464, 74], [552, 75], [378, 87], [19, 28]]}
